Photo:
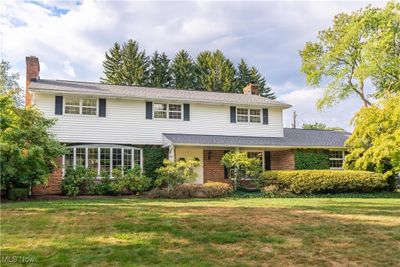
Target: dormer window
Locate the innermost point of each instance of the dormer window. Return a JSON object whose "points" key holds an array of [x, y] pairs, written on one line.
{"points": [[248, 115], [167, 111], [83, 106]]}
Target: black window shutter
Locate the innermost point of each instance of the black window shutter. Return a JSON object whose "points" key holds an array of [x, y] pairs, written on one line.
{"points": [[59, 105], [267, 160], [149, 110], [233, 114], [265, 116], [186, 112], [102, 107]]}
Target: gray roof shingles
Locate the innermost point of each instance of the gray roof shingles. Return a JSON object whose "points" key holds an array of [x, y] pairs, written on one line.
{"points": [[292, 138], [91, 88]]}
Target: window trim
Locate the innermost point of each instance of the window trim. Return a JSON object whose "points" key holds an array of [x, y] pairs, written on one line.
{"points": [[342, 159], [168, 118], [80, 106], [248, 115], [99, 147]]}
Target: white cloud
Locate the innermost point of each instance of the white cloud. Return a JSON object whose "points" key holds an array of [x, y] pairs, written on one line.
{"points": [[68, 69]]}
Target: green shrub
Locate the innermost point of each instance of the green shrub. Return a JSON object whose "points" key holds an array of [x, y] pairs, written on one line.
{"points": [[207, 190], [174, 173], [323, 181], [311, 160], [241, 167], [18, 193], [77, 181], [153, 157], [137, 182]]}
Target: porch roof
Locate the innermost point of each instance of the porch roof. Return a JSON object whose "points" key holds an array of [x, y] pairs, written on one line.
{"points": [[293, 138]]}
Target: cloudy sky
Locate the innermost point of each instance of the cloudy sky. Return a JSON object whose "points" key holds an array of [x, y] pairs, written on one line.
{"points": [[70, 39]]}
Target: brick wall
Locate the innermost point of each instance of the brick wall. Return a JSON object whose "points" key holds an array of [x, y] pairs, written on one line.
{"points": [[53, 186], [282, 160], [32, 73], [212, 169]]}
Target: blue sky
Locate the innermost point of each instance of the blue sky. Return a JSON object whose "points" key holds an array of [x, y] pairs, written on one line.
{"points": [[70, 39]]}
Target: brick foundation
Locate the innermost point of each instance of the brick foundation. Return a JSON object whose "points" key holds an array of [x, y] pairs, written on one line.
{"points": [[53, 186], [282, 160]]}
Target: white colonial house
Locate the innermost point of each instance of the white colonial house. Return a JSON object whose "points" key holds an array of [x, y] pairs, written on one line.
{"points": [[106, 126]]}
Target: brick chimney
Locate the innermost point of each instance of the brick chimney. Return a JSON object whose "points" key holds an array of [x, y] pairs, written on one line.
{"points": [[32, 74], [251, 89]]}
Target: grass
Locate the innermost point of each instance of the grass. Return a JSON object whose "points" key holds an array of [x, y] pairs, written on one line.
{"points": [[126, 231]]}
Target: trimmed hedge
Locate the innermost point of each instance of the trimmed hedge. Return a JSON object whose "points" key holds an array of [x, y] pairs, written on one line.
{"points": [[311, 160], [207, 190], [322, 181]]}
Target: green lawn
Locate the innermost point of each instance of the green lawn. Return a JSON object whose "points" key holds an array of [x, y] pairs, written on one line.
{"points": [[127, 231]]}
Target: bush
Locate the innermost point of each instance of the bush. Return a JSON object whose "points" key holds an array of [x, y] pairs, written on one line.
{"points": [[216, 189], [153, 157], [174, 173], [138, 183], [18, 193], [207, 190], [77, 181], [311, 160], [322, 181]]}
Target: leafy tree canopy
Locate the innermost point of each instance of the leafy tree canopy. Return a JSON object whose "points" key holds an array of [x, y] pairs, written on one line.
{"points": [[361, 46], [320, 126], [375, 142], [28, 151]]}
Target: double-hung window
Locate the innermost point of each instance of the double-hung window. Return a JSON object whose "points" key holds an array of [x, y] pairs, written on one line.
{"points": [[248, 115], [83, 106], [336, 159], [72, 105], [167, 111]]}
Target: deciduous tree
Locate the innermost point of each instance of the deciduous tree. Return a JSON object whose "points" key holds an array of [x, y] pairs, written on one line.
{"points": [[361, 46], [375, 142], [28, 149]]}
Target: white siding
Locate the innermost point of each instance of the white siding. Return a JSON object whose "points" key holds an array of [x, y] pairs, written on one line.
{"points": [[125, 123]]}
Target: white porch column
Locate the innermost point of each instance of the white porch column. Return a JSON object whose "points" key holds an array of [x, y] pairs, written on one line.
{"points": [[171, 153]]}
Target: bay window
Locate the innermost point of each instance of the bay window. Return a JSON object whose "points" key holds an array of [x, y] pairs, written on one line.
{"points": [[80, 157], [103, 158]]}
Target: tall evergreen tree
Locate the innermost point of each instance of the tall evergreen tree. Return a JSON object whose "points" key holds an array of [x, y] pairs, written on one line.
{"points": [[183, 71], [126, 65], [160, 71], [135, 64], [112, 65], [215, 72], [265, 90], [243, 76]]}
